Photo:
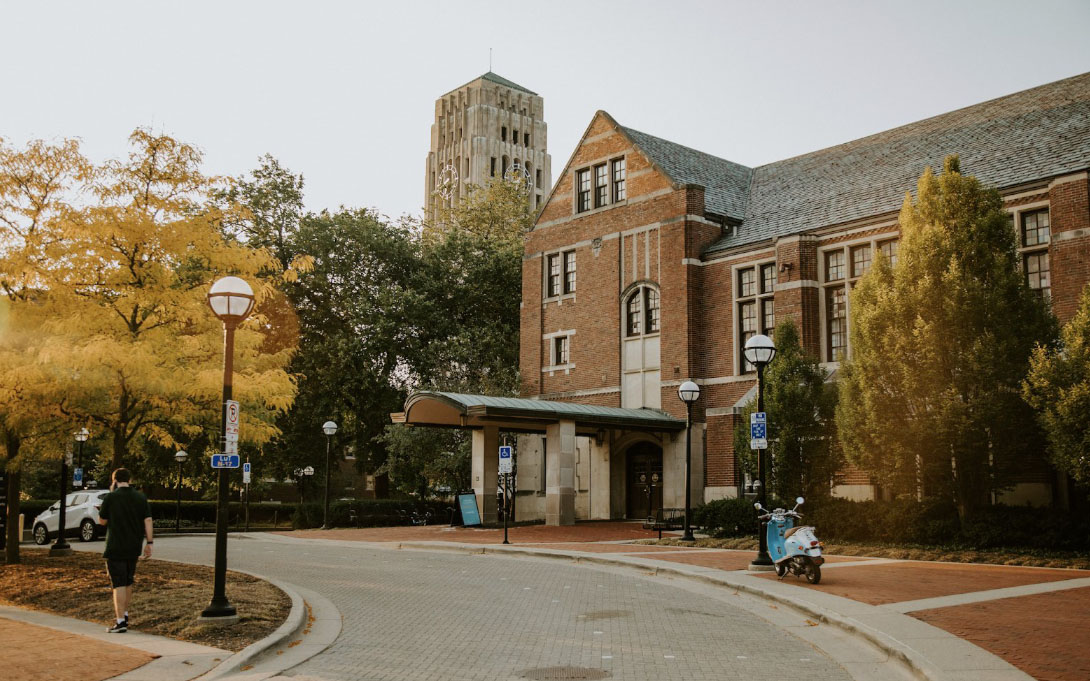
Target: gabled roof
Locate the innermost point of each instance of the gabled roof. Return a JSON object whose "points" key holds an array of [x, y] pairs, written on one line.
{"points": [[515, 413], [726, 184], [1027, 136]]}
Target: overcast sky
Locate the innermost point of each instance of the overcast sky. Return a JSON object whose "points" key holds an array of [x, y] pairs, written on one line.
{"points": [[343, 92]]}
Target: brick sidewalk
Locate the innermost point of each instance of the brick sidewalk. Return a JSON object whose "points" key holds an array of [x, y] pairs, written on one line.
{"points": [[33, 653], [1042, 634]]}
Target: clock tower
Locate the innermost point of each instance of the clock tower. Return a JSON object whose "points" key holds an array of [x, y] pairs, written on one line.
{"points": [[489, 128]]}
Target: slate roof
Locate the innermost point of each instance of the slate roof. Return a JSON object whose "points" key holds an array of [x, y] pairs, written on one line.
{"points": [[507, 83], [726, 184], [1030, 135]]}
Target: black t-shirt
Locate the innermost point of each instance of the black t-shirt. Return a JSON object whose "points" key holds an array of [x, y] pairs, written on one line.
{"points": [[124, 510]]}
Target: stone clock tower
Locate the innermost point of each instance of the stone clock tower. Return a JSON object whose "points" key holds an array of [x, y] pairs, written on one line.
{"points": [[488, 128]]}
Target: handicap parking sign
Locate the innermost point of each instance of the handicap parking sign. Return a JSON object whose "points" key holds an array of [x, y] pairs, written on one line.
{"points": [[758, 430]]}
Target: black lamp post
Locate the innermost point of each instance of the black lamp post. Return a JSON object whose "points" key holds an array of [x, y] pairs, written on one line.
{"points": [[231, 300], [759, 352], [180, 456], [81, 436], [61, 547], [330, 429], [689, 393]]}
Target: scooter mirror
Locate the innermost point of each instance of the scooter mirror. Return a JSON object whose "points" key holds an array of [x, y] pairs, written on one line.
{"points": [[799, 500], [757, 506]]}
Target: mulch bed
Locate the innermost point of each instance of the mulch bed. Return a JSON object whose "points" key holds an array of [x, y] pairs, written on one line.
{"points": [[167, 596]]}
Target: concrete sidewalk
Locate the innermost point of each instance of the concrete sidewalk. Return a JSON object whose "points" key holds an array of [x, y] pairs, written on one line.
{"points": [[946, 620]]}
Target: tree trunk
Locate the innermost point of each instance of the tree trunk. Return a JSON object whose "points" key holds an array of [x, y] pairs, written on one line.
{"points": [[120, 452], [11, 549]]}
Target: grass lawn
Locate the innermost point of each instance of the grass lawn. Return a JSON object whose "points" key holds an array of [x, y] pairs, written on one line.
{"points": [[1027, 558], [167, 597]]}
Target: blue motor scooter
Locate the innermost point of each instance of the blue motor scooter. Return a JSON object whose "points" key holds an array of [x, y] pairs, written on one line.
{"points": [[792, 549]]}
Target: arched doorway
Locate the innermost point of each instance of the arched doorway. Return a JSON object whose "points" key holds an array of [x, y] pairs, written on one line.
{"points": [[643, 493]]}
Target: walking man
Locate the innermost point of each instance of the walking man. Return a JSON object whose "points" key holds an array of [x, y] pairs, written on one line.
{"points": [[126, 514]]}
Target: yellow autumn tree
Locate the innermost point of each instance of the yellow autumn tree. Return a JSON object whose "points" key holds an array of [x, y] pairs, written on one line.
{"points": [[121, 280]]}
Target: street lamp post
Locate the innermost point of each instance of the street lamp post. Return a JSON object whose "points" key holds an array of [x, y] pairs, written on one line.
{"points": [[81, 436], [689, 392], [231, 299], [759, 352], [180, 456], [330, 429], [61, 547]]}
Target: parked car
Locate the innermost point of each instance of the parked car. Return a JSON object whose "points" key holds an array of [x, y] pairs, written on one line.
{"points": [[80, 518]]}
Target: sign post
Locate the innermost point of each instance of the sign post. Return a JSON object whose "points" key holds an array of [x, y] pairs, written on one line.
{"points": [[506, 466], [246, 493]]}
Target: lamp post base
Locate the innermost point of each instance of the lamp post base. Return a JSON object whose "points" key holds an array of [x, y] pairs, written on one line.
{"points": [[60, 550], [219, 613], [222, 621], [761, 564]]}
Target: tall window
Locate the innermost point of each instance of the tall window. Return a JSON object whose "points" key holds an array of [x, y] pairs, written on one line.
{"points": [[642, 311], [526, 139], [836, 314], [889, 249], [582, 189], [844, 265], [1035, 237], [569, 272], [560, 274], [755, 303], [601, 186], [560, 350], [618, 179], [503, 134]]}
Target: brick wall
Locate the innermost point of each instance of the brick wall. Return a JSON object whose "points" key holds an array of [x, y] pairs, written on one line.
{"points": [[1069, 254]]}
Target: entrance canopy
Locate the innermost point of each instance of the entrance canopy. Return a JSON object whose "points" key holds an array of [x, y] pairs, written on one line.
{"points": [[456, 410]]}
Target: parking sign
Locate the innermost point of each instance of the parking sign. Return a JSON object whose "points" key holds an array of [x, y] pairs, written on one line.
{"points": [[506, 460]]}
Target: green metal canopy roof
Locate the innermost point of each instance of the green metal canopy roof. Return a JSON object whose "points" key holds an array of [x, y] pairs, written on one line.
{"points": [[457, 410]]}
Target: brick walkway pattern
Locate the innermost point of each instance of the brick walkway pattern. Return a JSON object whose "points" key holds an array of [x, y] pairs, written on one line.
{"points": [[33, 653]]}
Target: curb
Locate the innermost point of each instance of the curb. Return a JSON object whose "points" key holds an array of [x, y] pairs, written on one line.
{"points": [[916, 662], [295, 621]]}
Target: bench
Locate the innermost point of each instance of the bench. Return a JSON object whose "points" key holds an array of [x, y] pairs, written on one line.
{"points": [[666, 519]]}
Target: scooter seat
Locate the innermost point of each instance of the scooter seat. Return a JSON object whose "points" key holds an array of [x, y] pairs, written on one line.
{"points": [[792, 531]]}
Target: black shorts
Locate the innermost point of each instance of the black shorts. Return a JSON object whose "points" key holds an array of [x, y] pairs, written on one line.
{"points": [[121, 571]]}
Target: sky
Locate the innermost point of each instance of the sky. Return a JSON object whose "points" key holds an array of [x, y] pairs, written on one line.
{"points": [[344, 92]]}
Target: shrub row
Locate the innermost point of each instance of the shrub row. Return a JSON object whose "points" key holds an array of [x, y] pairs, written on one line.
{"points": [[371, 513], [912, 522]]}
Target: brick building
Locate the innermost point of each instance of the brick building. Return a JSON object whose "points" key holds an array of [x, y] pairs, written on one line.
{"points": [[651, 263]]}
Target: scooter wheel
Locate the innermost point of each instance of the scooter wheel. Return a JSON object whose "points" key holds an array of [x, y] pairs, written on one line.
{"points": [[781, 569], [813, 572]]}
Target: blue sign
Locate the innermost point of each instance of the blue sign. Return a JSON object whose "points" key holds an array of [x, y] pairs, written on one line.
{"points": [[470, 514], [246, 467], [225, 461], [77, 477], [758, 430], [505, 452]]}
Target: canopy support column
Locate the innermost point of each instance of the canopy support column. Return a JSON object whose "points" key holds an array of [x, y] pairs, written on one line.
{"points": [[560, 473], [486, 463]]}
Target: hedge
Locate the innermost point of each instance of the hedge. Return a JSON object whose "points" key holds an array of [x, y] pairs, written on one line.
{"points": [[371, 513], [912, 522]]}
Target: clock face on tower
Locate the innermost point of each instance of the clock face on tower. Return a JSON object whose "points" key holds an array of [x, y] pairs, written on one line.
{"points": [[446, 182], [518, 173]]}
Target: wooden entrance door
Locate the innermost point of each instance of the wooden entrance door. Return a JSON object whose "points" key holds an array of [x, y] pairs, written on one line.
{"points": [[644, 478]]}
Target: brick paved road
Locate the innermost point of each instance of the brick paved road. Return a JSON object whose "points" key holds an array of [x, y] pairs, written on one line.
{"points": [[434, 615]]}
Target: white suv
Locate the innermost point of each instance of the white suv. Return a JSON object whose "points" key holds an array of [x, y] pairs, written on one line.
{"points": [[80, 517]]}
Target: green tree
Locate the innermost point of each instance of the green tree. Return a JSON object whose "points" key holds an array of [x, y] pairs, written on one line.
{"points": [[805, 452], [1058, 387], [466, 307], [930, 398]]}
